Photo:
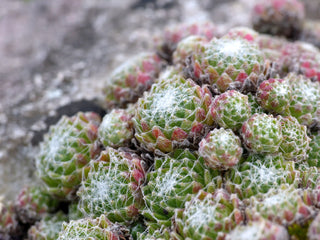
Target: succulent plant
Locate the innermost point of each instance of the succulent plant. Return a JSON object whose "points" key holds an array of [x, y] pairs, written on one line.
{"points": [[260, 173], [286, 205], [295, 144], [33, 203], [48, 228], [128, 82], [278, 17], [186, 47], [174, 114], [261, 133], [231, 109], [308, 64], [180, 170], [88, 228], [305, 103], [116, 128], [221, 149], [167, 43], [225, 62], [300, 58], [259, 230], [274, 95], [112, 186], [208, 216], [174, 181], [65, 151]]}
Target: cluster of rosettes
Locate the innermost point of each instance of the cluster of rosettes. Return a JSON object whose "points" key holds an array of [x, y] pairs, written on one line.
{"points": [[213, 137], [291, 57]]}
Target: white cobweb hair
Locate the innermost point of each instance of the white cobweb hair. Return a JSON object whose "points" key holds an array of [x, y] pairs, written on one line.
{"points": [[86, 228]]}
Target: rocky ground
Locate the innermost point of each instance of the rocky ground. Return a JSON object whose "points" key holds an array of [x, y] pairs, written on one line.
{"points": [[56, 55]]}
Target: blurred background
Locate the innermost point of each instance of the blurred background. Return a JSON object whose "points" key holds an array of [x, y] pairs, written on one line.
{"points": [[56, 55]]}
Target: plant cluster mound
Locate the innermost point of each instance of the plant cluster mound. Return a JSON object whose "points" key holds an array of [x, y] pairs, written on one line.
{"points": [[210, 136]]}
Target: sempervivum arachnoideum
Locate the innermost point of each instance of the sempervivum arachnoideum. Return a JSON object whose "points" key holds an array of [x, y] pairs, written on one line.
{"points": [[261, 133], [128, 82], [186, 47], [274, 95], [309, 64], [208, 216], [301, 58], [221, 149], [111, 186], [173, 182], [287, 206], [295, 143], [116, 128], [173, 114], [99, 228], [33, 203], [259, 230], [231, 109], [305, 103], [278, 17], [65, 151], [48, 228], [260, 173], [167, 43], [225, 62]]}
